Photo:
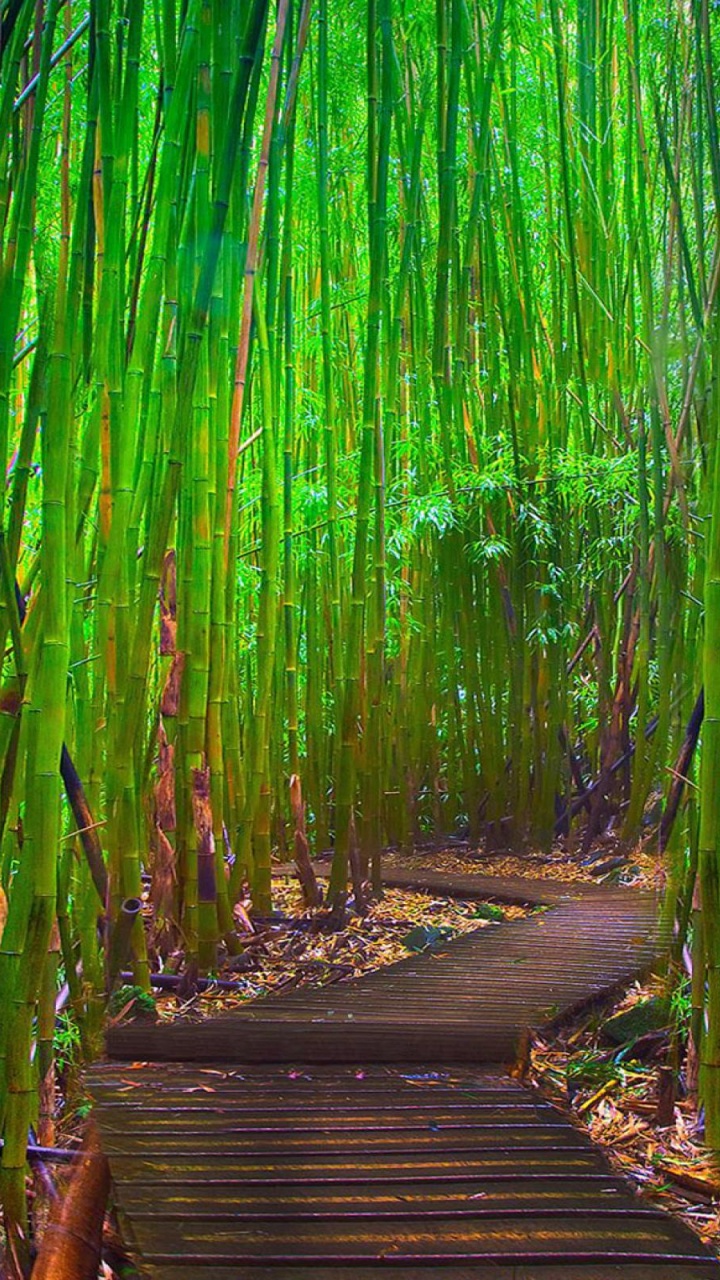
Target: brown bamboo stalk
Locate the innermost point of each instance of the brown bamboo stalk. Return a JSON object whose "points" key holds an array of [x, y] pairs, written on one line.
{"points": [[71, 1246]]}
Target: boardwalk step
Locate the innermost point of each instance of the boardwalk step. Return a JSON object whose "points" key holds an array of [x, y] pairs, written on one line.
{"points": [[516, 1192], [550, 1270]]}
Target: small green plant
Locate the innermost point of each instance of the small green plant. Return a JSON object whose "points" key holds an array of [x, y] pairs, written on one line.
{"points": [[590, 1069], [132, 1002], [488, 911], [681, 1002], [66, 1041]]}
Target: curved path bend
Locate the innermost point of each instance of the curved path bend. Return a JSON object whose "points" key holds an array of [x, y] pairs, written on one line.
{"points": [[374, 1138]]}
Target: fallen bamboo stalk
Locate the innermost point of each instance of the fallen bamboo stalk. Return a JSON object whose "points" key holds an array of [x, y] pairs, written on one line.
{"points": [[60, 1155], [170, 981], [706, 1185]]}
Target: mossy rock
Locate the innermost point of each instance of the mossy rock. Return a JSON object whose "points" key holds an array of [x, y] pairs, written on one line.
{"points": [[425, 936], [488, 911], [647, 1015]]}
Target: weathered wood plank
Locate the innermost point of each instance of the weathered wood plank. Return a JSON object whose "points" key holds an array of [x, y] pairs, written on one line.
{"points": [[217, 1202], [474, 1271], [637, 1239]]}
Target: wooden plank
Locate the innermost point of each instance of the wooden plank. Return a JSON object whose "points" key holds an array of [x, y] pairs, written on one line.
{"points": [[204, 1107], [583, 1271], [347, 1143], [367, 1076], [195, 1121], [528, 1239], [368, 1168], [218, 1114], [170, 1199], [316, 1041]]}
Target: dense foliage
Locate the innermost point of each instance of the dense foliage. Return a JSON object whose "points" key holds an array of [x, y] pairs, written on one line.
{"points": [[358, 408]]}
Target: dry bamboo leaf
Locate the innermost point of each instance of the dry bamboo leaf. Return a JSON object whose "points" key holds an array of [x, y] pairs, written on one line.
{"points": [[598, 1096], [165, 786], [162, 887], [170, 701], [706, 1184]]}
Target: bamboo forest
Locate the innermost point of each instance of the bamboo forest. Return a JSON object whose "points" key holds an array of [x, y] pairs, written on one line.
{"points": [[359, 414]]}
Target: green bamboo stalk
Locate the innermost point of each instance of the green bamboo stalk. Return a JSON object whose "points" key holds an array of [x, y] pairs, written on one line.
{"points": [[345, 793], [709, 839], [331, 423], [257, 762]]}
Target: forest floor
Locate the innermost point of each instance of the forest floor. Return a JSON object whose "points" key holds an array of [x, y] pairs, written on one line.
{"points": [[623, 1097], [606, 863]]}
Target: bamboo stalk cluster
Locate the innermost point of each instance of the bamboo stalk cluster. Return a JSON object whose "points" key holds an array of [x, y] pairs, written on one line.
{"points": [[358, 408]]}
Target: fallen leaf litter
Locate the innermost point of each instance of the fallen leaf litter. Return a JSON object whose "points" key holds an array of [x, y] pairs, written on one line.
{"points": [[613, 1096]]}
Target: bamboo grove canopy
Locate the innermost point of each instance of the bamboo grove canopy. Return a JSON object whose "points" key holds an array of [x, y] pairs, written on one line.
{"points": [[358, 411]]}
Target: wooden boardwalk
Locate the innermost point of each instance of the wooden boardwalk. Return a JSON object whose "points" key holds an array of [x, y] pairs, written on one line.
{"points": [[411, 1159], [465, 1003]]}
